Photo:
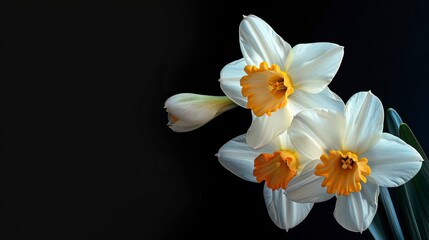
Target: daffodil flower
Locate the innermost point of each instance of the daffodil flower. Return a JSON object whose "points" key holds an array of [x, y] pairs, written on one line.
{"points": [[277, 81], [276, 163], [352, 157], [189, 111]]}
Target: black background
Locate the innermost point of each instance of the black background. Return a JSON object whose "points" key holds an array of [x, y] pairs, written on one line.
{"points": [[86, 153]]}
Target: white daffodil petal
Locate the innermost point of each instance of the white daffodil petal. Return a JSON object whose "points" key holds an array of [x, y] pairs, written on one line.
{"points": [[230, 76], [393, 162], [278, 142], [301, 100], [260, 43], [285, 213], [314, 65], [317, 131], [264, 129], [284, 141], [356, 211], [336, 97], [307, 187], [188, 111], [364, 121], [238, 157]]}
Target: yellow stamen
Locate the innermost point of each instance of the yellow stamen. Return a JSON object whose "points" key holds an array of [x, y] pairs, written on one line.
{"points": [[266, 88], [343, 172], [276, 169]]}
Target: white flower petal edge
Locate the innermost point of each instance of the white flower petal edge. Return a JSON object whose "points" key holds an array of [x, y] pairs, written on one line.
{"points": [[307, 187], [283, 212], [189, 111], [364, 115], [336, 97], [260, 43], [393, 162], [301, 100], [356, 212], [314, 65], [238, 157], [312, 132], [230, 76], [264, 129]]}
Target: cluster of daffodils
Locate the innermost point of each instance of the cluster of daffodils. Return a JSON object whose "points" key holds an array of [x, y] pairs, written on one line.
{"points": [[304, 142]]}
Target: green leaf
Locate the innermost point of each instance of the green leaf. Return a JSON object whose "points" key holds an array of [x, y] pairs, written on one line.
{"points": [[393, 121], [407, 135], [406, 196], [376, 229], [391, 213], [379, 227]]}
